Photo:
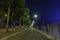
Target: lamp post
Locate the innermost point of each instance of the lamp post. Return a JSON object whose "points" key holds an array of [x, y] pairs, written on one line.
{"points": [[35, 16], [32, 23]]}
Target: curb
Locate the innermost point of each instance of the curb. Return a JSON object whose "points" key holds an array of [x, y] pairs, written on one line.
{"points": [[6, 37], [48, 36]]}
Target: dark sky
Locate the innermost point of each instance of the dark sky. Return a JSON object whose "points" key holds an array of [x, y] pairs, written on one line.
{"points": [[48, 11]]}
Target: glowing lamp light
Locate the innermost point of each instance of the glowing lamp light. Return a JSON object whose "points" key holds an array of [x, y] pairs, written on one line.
{"points": [[35, 16], [6, 15]]}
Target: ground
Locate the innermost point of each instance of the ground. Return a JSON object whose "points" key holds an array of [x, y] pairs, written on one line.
{"points": [[25, 34], [29, 35], [3, 32]]}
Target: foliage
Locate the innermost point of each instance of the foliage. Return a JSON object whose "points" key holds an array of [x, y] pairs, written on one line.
{"points": [[17, 10], [26, 17]]}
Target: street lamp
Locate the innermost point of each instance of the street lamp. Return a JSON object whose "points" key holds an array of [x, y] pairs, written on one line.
{"points": [[35, 16], [31, 26], [5, 15]]}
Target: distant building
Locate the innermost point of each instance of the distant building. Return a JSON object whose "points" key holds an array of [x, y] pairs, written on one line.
{"points": [[52, 29]]}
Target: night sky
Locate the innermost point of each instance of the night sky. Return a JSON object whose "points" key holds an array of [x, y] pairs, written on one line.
{"points": [[48, 11]]}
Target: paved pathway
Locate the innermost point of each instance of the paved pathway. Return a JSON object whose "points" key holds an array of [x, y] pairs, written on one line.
{"points": [[29, 35]]}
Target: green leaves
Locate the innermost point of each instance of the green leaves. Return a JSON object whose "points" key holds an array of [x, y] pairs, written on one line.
{"points": [[25, 16], [17, 10]]}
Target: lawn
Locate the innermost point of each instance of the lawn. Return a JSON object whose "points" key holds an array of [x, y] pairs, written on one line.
{"points": [[3, 32]]}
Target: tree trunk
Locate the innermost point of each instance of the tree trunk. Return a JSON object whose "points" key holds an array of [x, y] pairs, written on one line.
{"points": [[8, 18], [20, 22]]}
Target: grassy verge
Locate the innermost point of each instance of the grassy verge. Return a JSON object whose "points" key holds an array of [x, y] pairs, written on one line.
{"points": [[3, 32]]}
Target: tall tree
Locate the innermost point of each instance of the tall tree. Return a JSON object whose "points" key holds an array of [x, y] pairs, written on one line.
{"points": [[26, 17], [11, 7]]}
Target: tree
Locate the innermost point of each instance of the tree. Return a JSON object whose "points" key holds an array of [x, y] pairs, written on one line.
{"points": [[18, 7], [25, 17], [15, 10], [11, 7]]}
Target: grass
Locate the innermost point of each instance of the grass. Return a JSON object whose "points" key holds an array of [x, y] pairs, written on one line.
{"points": [[3, 32]]}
